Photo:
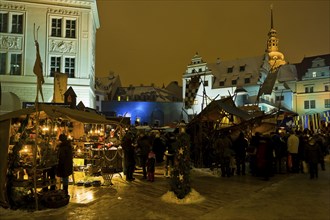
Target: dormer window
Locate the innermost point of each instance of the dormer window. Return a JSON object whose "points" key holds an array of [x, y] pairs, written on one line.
{"points": [[230, 69]]}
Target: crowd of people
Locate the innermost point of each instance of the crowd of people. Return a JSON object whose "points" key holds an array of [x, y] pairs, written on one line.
{"points": [[268, 154]]}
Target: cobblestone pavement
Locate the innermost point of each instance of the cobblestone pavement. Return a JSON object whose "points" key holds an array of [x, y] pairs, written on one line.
{"points": [[284, 196]]}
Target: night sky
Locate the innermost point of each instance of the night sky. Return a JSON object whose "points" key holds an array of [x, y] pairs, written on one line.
{"points": [[152, 41]]}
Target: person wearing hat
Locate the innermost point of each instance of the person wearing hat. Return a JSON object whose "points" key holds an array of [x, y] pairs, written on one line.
{"points": [[65, 161]]}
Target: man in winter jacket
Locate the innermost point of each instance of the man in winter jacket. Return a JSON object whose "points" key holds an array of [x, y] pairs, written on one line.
{"points": [[65, 161]]}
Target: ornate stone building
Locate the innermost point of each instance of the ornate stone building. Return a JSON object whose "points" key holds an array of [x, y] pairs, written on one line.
{"points": [[65, 30]]}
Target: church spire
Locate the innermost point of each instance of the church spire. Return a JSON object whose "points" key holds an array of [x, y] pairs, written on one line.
{"points": [[276, 58], [271, 17]]}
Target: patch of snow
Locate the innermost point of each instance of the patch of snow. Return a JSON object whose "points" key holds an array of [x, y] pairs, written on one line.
{"points": [[192, 197]]}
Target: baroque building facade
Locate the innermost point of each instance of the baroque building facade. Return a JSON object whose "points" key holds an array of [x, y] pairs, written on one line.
{"points": [[65, 31], [258, 81]]}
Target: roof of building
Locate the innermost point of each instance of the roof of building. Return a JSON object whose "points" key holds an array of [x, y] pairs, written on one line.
{"points": [[239, 70], [307, 62]]}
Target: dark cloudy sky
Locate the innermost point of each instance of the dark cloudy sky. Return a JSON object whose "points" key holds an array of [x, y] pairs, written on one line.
{"points": [[152, 41]]}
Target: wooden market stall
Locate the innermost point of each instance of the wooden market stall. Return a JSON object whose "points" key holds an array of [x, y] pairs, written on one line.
{"points": [[27, 133]]}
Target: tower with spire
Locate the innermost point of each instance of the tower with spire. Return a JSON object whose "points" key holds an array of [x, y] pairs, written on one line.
{"points": [[276, 58]]}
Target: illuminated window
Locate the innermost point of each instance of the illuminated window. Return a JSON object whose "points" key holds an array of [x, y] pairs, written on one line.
{"points": [[69, 66], [118, 98], [195, 102], [3, 63], [16, 64], [314, 74], [326, 103]]}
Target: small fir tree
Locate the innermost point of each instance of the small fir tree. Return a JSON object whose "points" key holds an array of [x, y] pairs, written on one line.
{"points": [[180, 178]]}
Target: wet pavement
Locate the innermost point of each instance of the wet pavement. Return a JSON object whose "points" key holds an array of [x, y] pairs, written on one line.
{"points": [[284, 196]]}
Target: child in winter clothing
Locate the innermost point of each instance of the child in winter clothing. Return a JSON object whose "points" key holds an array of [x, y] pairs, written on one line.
{"points": [[151, 166]]}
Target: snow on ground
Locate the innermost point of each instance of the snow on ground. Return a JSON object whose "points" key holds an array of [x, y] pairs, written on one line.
{"points": [[192, 197]]}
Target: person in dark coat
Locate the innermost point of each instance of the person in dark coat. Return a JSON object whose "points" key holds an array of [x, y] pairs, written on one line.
{"points": [[129, 155], [144, 146], [240, 146], [65, 161], [313, 155]]}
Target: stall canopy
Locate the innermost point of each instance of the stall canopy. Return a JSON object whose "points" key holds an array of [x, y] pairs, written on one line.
{"points": [[49, 111]]}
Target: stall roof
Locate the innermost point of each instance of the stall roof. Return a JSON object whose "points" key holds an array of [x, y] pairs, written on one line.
{"points": [[52, 111]]}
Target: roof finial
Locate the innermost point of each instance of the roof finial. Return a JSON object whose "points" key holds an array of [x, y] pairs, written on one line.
{"points": [[271, 16]]}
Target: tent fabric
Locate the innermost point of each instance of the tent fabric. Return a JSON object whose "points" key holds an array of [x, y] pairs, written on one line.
{"points": [[60, 112], [215, 110]]}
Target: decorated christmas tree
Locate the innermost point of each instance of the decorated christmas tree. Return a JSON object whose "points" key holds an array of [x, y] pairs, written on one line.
{"points": [[180, 178]]}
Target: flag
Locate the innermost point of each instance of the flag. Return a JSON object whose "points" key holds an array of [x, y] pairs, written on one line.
{"points": [[37, 69], [60, 87], [191, 90]]}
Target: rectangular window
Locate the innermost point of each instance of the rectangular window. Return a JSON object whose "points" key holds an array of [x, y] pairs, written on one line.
{"points": [[3, 22], [306, 104], [15, 64], [222, 83], [230, 69], [312, 103], [326, 103], [70, 29], [17, 24], [69, 67], [234, 82], [242, 68], [55, 65], [326, 88], [3, 63], [206, 83], [97, 98], [279, 98], [309, 89], [56, 27], [247, 80]]}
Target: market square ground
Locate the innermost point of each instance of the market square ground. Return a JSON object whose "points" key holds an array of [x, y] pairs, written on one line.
{"points": [[284, 196]]}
